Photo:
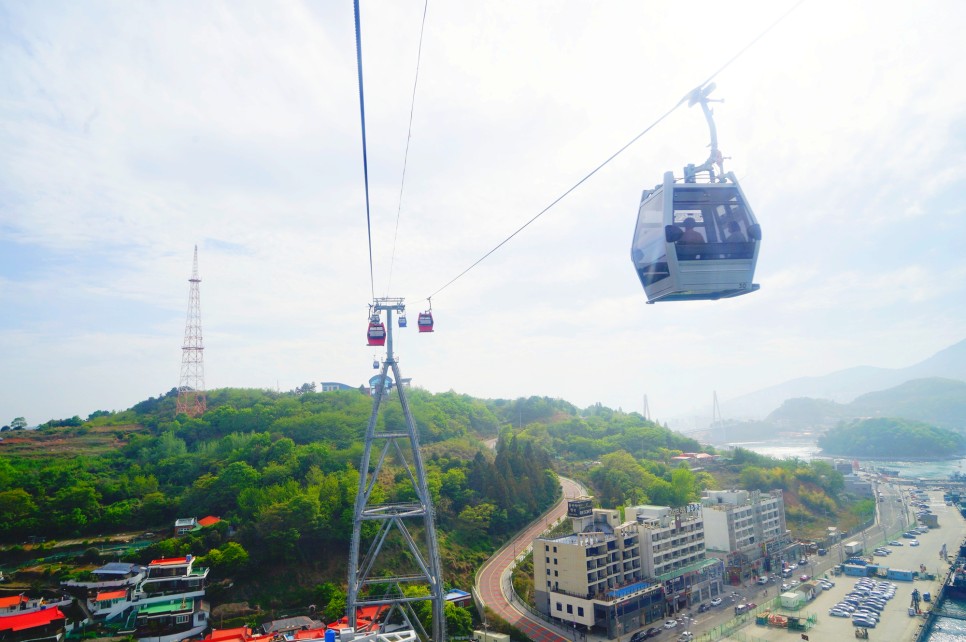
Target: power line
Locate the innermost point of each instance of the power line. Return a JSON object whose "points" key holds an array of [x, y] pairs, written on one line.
{"points": [[409, 135], [622, 149]]}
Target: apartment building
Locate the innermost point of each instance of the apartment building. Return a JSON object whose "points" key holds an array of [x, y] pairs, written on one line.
{"points": [[747, 530], [607, 577]]}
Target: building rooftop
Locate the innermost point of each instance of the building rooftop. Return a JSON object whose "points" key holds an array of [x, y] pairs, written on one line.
{"points": [[32, 620], [171, 606]]}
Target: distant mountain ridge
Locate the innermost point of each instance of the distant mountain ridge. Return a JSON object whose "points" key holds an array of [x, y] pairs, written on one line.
{"points": [[935, 401], [846, 386]]}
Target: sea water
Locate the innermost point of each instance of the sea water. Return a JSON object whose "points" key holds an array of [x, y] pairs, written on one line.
{"points": [[807, 451], [947, 629]]}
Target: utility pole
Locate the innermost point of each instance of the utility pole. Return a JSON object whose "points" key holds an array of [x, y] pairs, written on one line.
{"points": [[399, 444], [192, 399]]}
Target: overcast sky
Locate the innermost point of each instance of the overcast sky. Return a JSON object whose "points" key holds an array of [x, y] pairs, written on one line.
{"points": [[131, 131]]}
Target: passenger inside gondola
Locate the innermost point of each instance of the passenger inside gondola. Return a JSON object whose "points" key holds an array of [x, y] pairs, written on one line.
{"points": [[734, 233], [690, 236]]}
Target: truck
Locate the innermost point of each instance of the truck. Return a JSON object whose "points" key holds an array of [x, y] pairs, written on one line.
{"points": [[853, 548]]}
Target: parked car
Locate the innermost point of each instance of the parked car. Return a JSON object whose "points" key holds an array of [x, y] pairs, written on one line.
{"points": [[716, 601], [822, 551], [670, 624], [914, 542], [895, 543], [763, 579], [703, 608], [686, 636]]}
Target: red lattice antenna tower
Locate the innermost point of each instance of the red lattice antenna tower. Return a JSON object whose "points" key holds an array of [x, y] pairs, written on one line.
{"points": [[192, 400]]}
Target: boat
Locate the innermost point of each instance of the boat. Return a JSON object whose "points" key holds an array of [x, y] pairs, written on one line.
{"points": [[956, 586]]}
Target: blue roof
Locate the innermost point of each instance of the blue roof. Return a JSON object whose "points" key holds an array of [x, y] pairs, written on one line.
{"points": [[627, 590]]}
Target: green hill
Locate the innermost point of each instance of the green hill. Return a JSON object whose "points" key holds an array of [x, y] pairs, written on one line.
{"points": [[892, 438]]}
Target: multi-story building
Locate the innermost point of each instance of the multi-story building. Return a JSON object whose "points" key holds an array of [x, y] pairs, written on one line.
{"points": [[673, 549], [746, 528], [606, 575]]}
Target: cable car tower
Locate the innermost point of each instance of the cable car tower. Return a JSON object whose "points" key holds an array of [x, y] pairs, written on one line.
{"points": [[389, 513]]}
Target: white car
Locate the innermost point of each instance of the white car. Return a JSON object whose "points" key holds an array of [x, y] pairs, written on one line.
{"points": [[914, 542], [670, 624], [716, 601]]}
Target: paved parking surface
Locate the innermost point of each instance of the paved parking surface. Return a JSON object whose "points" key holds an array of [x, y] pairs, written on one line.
{"points": [[895, 625]]}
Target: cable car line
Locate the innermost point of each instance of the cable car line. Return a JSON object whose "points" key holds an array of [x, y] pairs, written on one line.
{"points": [[558, 199], [683, 100], [409, 135], [365, 160]]}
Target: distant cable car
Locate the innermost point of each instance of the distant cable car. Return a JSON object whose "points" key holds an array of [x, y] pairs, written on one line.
{"points": [[425, 321], [375, 363], [696, 241], [376, 334], [402, 320]]}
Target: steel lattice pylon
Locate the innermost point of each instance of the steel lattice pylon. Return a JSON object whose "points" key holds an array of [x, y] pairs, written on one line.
{"points": [[192, 400], [370, 584]]}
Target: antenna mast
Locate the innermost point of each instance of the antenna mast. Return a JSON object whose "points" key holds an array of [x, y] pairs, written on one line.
{"points": [[377, 502], [192, 400]]}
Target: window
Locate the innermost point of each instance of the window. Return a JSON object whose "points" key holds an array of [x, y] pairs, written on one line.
{"points": [[546, 547], [555, 560], [580, 611], [548, 571], [555, 574], [548, 560], [559, 607], [181, 619], [570, 608], [554, 549]]}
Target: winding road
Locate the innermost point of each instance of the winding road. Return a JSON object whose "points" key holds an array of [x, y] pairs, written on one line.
{"points": [[493, 580]]}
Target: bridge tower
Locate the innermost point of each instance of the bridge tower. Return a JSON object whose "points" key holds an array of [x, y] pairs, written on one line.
{"points": [[192, 399], [400, 521]]}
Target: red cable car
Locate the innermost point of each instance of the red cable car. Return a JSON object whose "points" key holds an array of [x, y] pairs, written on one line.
{"points": [[425, 321], [376, 335]]}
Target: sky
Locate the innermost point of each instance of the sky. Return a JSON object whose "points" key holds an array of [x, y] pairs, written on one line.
{"points": [[132, 131]]}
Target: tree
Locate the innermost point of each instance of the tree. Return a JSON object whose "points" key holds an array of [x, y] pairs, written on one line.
{"points": [[18, 423]]}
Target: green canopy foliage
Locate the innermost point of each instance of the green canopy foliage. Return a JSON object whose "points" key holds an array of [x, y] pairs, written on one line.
{"points": [[889, 437]]}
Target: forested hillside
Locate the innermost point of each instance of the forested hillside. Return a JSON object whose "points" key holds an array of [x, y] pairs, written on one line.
{"points": [[888, 437], [281, 471]]}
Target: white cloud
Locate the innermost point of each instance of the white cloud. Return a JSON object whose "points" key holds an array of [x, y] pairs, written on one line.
{"points": [[130, 133]]}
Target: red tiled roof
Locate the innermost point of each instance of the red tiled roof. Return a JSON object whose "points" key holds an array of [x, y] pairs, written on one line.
{"points": [[32, 620], [110, 595], [240, 634], [170, 561], [13, 600], [208, 521]]}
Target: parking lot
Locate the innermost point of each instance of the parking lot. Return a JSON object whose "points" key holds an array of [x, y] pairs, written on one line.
{"points": [[895, 625]]}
